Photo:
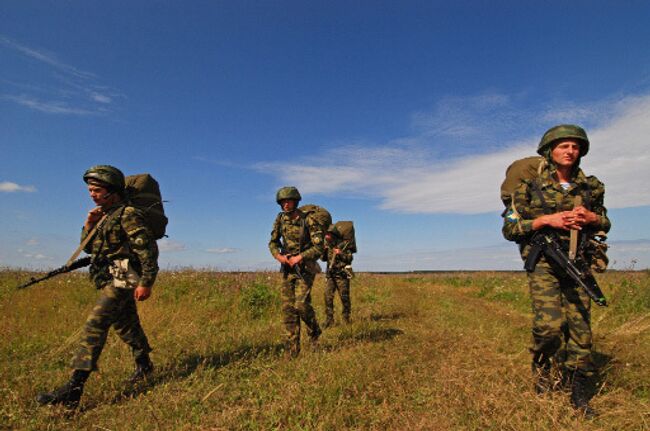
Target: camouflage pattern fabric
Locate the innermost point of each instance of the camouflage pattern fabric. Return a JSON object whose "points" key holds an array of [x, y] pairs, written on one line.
{"points": [[561, 311], [338, 279], [526, 205], [115, 307], [296, 306], [125, 255], [296, 293], [341, 284], [125, 235], [286, 234], [561, 319]]}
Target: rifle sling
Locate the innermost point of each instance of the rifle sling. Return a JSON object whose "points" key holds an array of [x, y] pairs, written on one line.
{"points": [[90, 236]]}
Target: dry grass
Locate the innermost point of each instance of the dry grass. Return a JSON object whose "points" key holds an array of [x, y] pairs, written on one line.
{"points": [[424, 352]]}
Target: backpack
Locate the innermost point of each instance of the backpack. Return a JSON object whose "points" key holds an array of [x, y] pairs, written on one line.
{"points": [[346, 230], [143, 192], [320, 215], [518, 171]]}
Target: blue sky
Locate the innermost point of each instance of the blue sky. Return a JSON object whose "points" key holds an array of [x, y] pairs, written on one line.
{"points": [[401, 116]]}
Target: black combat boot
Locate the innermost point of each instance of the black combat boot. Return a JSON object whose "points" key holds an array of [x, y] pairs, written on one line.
{"points": [[143, 369], [580, 395], [541, 368], [69, 394]]}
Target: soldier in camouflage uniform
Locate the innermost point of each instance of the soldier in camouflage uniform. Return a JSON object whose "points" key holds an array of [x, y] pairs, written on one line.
{"points": [[124, 266], [338, 256], [296, 242], [561, 310]]}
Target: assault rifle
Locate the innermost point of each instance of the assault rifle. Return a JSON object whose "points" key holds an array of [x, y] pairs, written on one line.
{"points": [[547, 243], [286, 269], [79, 263], [330, 264]]}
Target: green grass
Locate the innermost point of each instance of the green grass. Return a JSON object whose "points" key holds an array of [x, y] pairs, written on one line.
{"points": [[424, 352]]}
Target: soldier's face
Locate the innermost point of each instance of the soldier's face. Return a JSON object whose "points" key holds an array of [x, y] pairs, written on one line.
{"points": [[565, 153], [99, 195], [288, 205]]}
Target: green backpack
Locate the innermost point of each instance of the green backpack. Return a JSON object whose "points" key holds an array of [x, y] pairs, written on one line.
{"points": [[345, 229], [518, 171], [319, 214], [143, 192]]}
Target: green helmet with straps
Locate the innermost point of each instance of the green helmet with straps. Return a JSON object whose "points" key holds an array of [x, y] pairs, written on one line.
{"points": [[564, 132], [333, 230], [106, 174], [288, 193]]}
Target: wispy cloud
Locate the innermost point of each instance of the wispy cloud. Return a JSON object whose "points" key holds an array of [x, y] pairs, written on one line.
{"points": [[65, 90], [455, 160], [35, 256], [9, 187], [167, 245], [224, 250], [50, 107]]}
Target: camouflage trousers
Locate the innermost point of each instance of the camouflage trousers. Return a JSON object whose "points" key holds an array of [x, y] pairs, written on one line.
{"points": [[337, 283], [296, 306], [561, 319], [115, 307]]}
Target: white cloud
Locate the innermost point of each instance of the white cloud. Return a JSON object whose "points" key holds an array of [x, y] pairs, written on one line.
{"points": [[101, 98], [65, 90], [170, 246], [414, 175], [224, 250], [50, 107], [44, 57], [32, 241], [9, 187]]}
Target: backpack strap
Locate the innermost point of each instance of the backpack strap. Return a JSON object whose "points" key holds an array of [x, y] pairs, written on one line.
{"points": [[303, 229], [540, 196]]}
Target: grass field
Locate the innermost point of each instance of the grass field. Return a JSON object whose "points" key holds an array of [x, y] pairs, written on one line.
{"points": [[424, 352]]}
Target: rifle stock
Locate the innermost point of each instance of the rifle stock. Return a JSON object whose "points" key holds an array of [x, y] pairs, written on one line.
{"points": [[79, 263]]}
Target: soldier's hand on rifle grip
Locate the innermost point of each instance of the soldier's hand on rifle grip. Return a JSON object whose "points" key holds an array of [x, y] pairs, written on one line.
{"points": [[582, 217], [559, 220], [295, 260], [141, 293], [282, 259]]}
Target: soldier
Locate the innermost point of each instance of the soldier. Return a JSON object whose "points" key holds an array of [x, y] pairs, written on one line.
{"points": [[296, 242], [124, 266], [338, 257], [561, 311]]}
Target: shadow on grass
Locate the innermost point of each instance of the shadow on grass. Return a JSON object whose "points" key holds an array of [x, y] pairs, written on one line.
{"points": [[603, 363], [186, 366], [373, 335], [376, 317]]}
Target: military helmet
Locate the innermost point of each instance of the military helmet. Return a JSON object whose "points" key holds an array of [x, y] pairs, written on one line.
{"points": [[564, 131], [333, 230], [106, 174], [287, 193]]}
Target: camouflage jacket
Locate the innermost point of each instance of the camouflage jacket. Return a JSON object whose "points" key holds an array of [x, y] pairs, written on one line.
{"points": [[336, 263], [527, 206], [124, 235], [287, 234]]}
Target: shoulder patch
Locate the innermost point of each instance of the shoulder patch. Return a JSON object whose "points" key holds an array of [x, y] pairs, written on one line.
{"points": [[512, 216]]}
